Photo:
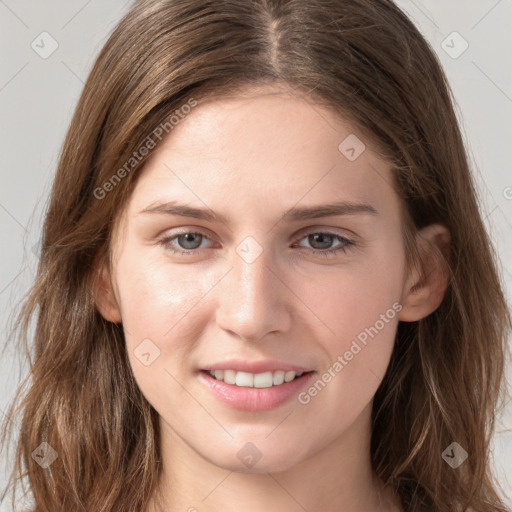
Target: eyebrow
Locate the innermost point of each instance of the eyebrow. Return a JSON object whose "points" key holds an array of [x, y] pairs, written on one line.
{"points": [[292, 215]]}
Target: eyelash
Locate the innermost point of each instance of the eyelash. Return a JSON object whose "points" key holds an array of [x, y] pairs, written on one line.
{"points": [[346, 243]]}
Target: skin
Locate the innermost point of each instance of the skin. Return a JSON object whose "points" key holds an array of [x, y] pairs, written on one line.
{"points": [[251, 158]]}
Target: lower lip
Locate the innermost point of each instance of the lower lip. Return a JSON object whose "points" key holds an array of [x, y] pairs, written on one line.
{"points": [[254, 399]]}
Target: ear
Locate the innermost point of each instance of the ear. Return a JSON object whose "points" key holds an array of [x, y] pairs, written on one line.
{"points": [[103, 291], [426, 283]]}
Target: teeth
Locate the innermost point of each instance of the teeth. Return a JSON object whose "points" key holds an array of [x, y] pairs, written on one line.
{"points": [[255, 380], [278, 378], [229, 376], [245, 379]]}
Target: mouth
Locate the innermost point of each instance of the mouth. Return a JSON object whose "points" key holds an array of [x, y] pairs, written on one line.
{"points": [[254, 391]]}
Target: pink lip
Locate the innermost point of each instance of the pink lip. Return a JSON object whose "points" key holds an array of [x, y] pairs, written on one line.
{"points": [[254, 399], [256, 366]]}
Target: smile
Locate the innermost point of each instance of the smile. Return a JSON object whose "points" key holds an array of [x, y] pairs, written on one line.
{"points": [[254, 391], [254, 380]]}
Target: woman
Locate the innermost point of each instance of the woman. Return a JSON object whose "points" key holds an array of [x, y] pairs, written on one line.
{"points": [[360, 371]]}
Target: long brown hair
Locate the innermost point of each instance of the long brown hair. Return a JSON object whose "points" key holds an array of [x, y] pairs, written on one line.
{"points": [[365, 60]]}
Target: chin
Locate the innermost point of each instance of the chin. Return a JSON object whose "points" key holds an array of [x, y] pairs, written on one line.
{"points": [[256, 458], [260, 468]]}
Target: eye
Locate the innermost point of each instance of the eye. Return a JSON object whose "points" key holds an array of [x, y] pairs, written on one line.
{"points": [[322, 240], [188, 243]]}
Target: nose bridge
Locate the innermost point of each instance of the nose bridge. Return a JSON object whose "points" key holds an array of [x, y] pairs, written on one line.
{"points": [[251, 302]]}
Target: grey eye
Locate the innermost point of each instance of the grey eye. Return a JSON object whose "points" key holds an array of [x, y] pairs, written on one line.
{"points": [[188, 240]]}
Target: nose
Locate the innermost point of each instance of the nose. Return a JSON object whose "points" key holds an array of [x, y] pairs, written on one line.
{"points": [[254, 300]]}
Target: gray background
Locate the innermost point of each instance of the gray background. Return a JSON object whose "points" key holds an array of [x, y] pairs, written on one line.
{"points": [[38, 95]]}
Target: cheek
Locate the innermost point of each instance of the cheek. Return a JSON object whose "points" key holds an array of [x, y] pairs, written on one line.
{"points": [[155, 296], [360, 306], [158, 305], [354, 297]]}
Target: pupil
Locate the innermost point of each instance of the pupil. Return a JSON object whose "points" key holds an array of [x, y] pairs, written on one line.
{"points": [[327, 239], [188, 240]]}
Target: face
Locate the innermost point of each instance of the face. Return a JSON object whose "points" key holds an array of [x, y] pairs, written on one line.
{"points": [[257, 277]]}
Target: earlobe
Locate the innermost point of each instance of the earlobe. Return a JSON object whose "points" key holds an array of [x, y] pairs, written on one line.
{"points": [[104, 297], [426, 284]]}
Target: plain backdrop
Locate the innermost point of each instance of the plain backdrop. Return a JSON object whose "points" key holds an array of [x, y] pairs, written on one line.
{"points": [[37, 97]]}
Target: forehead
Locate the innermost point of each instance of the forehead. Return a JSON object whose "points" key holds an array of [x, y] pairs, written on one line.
{"points": [[262, 151]]}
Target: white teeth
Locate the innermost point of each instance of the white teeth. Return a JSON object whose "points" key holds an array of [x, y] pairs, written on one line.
{"points": [[244, 379], [229, 377], [278, 378], [263, 380], [252, 380]]}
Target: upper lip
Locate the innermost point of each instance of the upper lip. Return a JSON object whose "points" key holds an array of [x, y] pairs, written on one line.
{"points": [[255, 366]]}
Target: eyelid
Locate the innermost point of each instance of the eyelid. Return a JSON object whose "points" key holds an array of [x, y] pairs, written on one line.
{"points": [[341, 232]]}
